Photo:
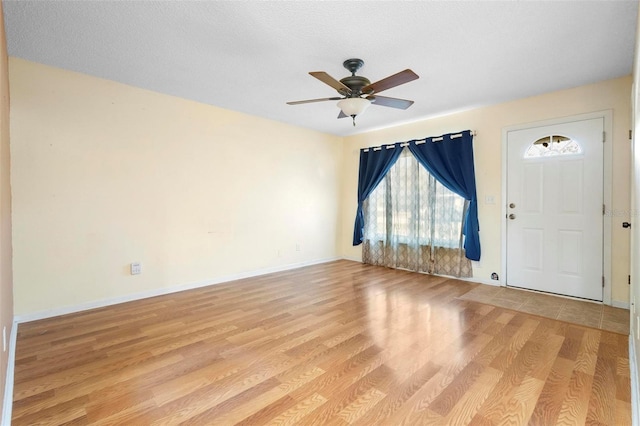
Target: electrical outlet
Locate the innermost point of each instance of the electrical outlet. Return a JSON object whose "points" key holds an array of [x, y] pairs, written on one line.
{"points": [[136, 268], [298, 247]]}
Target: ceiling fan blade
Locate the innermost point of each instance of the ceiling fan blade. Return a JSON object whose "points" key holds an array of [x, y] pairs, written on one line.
{"points": [[327, 79], [342, 114], [308, 101], [391, 81], [390, 102]]}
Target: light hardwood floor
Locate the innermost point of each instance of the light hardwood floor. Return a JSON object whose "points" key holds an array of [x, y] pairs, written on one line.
{"points": [[338, 343]]}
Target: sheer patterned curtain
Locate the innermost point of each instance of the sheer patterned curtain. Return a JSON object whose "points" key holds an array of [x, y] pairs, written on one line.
{"points": [[413, 222]]}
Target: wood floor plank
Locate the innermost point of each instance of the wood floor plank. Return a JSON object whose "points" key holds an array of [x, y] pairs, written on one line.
{"points": [[338, 343], [470, 402], [522, 404], [549, 403], [348, 396], [393, 401], [576, 400], [623, 413], [269, 412], [294, 414], [502, 401], [464, 380], [361, 405], [602, 403]]}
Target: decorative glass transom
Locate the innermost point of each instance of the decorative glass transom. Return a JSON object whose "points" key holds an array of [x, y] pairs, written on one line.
{"points": [[553, 145]]}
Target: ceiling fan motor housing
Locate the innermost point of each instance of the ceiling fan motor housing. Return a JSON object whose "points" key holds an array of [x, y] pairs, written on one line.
{"points": [[355, 83]]}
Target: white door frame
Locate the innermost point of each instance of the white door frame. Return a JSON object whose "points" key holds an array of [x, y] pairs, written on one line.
{"points": [[607, 115]]}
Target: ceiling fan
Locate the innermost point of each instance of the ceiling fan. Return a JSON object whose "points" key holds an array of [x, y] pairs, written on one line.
{"points": [[357, 92]]}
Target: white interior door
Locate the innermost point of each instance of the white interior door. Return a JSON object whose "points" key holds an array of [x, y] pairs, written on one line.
{"points": [[555, 208]]}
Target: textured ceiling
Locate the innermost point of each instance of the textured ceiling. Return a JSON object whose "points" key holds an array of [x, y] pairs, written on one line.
{"points": [[254, 56]]}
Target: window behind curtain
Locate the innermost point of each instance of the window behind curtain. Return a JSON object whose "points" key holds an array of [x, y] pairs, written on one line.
{"points": [[414, 222]]}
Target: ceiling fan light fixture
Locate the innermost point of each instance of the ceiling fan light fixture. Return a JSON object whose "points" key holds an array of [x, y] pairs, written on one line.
{"points": [[353, 106]]}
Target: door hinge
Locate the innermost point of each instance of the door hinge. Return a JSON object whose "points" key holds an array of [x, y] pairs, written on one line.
{"points": [[604, 136], [604, 209], [629, 280], [603, 281], [630, 134]]}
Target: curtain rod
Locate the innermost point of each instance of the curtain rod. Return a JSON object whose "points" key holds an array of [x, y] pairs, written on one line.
{"points": [[418, 141]]}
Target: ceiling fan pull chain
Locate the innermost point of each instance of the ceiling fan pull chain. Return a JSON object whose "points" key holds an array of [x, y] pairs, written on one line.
{"points": [[353, 117]]}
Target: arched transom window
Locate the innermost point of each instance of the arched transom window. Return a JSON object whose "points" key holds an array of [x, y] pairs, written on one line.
{"points": [[553, 145]]}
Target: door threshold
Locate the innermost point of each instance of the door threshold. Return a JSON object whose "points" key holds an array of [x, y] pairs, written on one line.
{"points": [[565, 296]]}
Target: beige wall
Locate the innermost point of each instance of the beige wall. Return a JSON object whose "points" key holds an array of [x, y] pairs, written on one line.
{"points": [[489, 123], [6, 277], [105, 174]]}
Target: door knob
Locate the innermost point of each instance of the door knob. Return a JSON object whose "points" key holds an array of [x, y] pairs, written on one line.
{"points": [[626, 225], [512, 205], [512, 216]]}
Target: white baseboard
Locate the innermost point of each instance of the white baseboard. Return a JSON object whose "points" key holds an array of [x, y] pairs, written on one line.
{"points": [[620, 304], [635, 390], [481, 281], [162, 291], [471, 279], [7, 403]]}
